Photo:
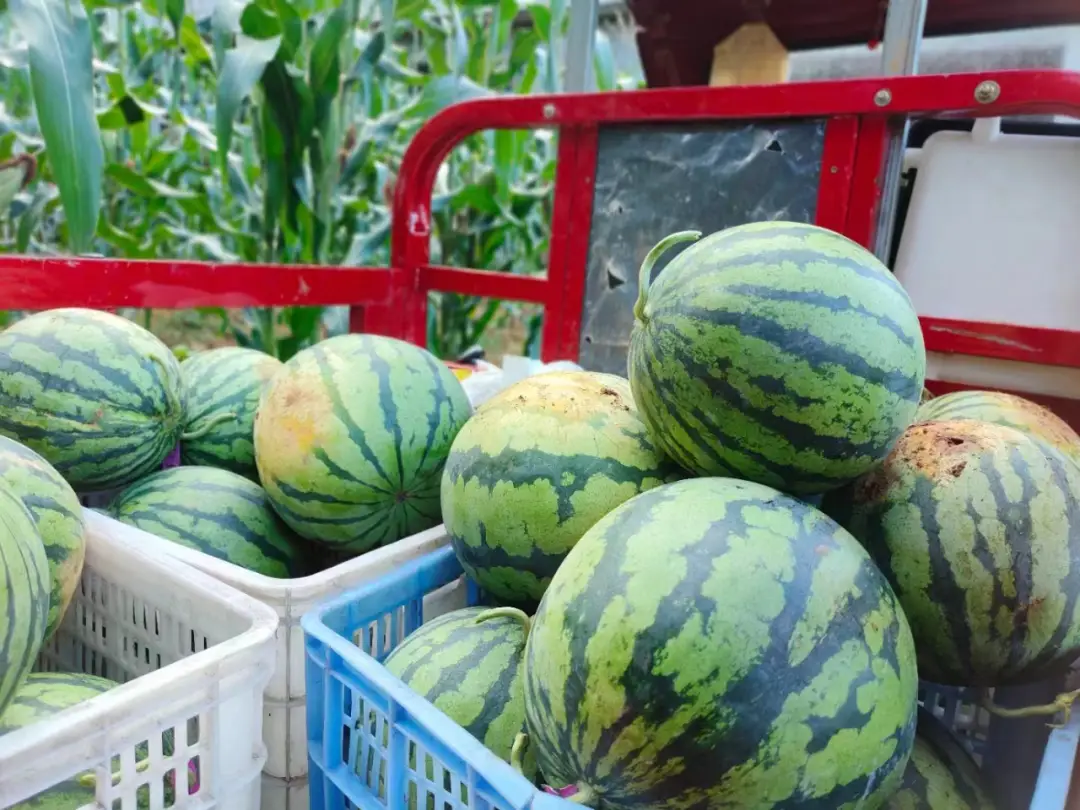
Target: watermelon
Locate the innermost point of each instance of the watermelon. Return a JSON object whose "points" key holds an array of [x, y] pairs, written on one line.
{"points": [[467, 663], [43, 695], [222, 389], [977, 527], [716, 643], [56, 510], [24, 593], [940, 775], [217, 512], [776, 352], [536, 467], [96, 395], [351, 438], [1003, 409]]}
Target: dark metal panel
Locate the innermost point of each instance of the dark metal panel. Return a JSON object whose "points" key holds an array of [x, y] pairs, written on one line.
{"points": [[653, 181]]}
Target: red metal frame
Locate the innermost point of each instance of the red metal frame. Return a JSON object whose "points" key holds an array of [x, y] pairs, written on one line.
{"points": [[393, 301], [848, 198]]}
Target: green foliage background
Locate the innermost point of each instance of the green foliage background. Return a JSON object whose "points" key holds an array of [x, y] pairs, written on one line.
{"points": [[271, 131]]}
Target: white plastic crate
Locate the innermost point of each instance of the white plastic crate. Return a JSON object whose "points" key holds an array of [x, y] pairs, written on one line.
{"points": [[284, 728], [193, 657]]}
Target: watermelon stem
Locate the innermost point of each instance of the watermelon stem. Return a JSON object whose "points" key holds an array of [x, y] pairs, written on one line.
{"points": [[211, 423], [509, 613], [645, 273], [1062, 703], [517, 752], [585, 795]]}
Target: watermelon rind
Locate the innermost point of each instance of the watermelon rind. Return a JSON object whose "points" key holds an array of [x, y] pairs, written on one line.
{"points": [[56, 511], [24, 593], [941, 774], [716, 643], [977, 527], [96, 395], [778, 352], [222, 388], [537, 466], [351, 437], [215, 511]]}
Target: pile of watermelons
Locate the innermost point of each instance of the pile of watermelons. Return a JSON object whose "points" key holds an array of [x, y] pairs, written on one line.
{"points": [[718, 583], [283, 469], [713, 584]]}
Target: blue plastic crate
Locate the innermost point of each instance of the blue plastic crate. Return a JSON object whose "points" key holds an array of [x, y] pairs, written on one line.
{"points": [[370, 737]]}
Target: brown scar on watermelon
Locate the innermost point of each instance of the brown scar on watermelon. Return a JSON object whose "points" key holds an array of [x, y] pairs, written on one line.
{"points": [[937, 450]]}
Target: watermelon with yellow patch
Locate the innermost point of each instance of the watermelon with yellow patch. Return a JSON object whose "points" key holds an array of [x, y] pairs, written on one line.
{"points": [[351, 437], [977, 527], [535, 468], [1003, 409]]}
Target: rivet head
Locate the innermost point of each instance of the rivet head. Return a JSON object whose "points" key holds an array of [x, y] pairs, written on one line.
{"points": [[987, 92], [882, 97], [549, 111]]}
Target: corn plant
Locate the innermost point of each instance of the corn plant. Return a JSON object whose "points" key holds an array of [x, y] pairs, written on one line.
{"points": [[272, 131]]}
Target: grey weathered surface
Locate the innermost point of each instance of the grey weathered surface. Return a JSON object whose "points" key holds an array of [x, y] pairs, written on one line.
{"points": [[651, 182]]}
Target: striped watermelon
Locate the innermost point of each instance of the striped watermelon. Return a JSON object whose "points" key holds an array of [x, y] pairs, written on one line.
{"points": [[1003, 409], [43, 695], [977, 526], [715, 643], [537, 466], [940, 775], [56, 510], [777, 352], [467, 663], [95, 394], [351, 437], [24, 593], [217, 512], [222, 389]]}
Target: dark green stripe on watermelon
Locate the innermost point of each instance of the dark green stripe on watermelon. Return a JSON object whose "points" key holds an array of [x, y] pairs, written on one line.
{"points": [[714, 643], [940, 775], [24, 594], [977, 526], [537, 466], [776, 352], [219, 383], [95, 394], [217, 512], [351, 438], [56, 511]]}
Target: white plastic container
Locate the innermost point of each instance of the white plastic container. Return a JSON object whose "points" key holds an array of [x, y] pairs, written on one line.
{"points": [[194, 657], [284, 727], [990, 236]]}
